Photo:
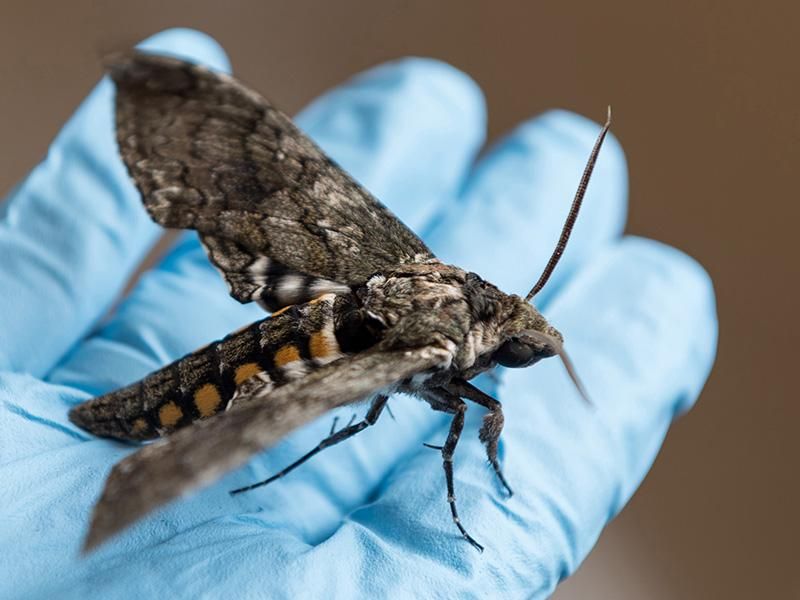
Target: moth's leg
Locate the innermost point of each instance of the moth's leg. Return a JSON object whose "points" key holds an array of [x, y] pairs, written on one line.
{"points": [[445, 401], [350, 422], [492, 423], [375, 409]]}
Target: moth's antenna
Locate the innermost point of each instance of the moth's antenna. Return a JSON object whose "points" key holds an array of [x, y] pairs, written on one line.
{"points": [[573, 212]]}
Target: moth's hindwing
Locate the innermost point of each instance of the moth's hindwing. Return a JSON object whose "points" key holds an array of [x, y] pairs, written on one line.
{"points": [[276, 350], [209, 154], [252, 277]]}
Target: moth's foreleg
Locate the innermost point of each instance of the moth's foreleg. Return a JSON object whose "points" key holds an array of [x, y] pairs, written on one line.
{"points": [[375, 409], [492, 423], [451, 403]]}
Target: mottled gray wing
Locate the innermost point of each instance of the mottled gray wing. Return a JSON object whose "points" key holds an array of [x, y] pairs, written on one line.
{"points": [[199, 454], [207, 153]]}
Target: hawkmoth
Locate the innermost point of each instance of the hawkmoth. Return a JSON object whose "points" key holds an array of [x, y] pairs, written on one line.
{"points": [[360, 306]]}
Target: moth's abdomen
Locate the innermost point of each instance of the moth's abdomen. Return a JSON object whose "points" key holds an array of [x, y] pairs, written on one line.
{"points": [[267, 353], [195, 386]]}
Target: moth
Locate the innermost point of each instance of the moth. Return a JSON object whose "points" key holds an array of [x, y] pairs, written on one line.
{"points": [[361, 308]]}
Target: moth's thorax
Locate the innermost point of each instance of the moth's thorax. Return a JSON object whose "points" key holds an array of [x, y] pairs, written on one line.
{"points": [[472, 316], [414, 289]]}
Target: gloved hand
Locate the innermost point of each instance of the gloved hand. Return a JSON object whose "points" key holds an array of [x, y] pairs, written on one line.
{"points": [[367, 518]]}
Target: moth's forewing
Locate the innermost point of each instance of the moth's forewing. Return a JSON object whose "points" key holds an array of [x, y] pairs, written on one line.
{"points": [[281, 220], [199, 454]]}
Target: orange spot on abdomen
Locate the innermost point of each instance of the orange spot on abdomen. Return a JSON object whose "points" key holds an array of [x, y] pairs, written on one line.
{"points": [[207, 399], [319, 346], [169, 414], [245, 372], [286, 354]]}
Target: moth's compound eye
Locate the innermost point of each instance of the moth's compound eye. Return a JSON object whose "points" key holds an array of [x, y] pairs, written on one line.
{"points": [[514, 353]]}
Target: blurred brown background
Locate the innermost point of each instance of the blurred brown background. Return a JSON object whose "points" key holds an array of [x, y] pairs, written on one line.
{"points": [[707, 101]]}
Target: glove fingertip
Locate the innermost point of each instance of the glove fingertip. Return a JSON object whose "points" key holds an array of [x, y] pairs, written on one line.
{"points": [[693, 284], [189, 44], [455, 90]]}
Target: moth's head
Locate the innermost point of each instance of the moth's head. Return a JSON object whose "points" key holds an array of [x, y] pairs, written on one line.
{"points": [[527, 338]]}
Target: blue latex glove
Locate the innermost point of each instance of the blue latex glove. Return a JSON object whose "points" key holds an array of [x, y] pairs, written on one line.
{"points": [[367, 518]]}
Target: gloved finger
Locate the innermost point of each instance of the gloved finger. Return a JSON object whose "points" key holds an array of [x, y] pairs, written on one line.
{"points": [[513, 207], [640, 325], [74, 229]]}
